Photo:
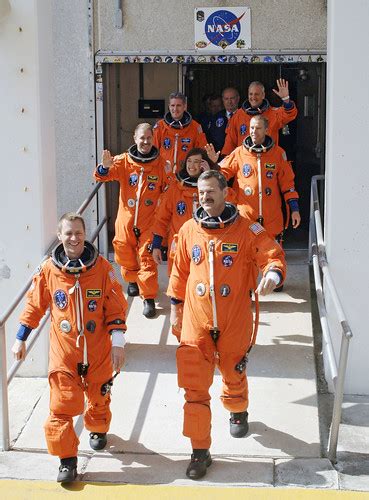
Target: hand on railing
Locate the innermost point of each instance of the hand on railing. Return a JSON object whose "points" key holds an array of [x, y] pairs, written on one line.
{"points": [[19, 350]]}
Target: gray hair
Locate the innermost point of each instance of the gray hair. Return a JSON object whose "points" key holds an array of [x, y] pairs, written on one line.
{"points": [[178, 95], [256, 83]]}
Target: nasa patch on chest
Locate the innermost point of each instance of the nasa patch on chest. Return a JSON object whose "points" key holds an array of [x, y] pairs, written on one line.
{"points": [[60, 299], [196, 254], [92, 305], [227, 261]]}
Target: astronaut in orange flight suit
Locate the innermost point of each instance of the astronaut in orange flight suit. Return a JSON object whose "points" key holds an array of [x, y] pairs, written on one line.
{"points": [[177, 132], [263, 176], [209, 286], [143, 176], [179, 202], [88, 312], [238, 126]]}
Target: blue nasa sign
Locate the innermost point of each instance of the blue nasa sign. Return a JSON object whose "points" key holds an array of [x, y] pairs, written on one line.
{"points": [[222, 26]]}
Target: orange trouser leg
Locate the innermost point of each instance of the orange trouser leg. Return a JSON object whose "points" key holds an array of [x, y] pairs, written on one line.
{"points": [[195, 374], [126, 255], [235, 390], [66, 401], [97, 417], [147, 276]]}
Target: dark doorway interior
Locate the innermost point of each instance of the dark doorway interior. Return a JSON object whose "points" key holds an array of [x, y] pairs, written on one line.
{"points": [[303, 139]]}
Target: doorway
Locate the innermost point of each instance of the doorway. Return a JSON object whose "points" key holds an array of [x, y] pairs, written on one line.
{"points": [[303, 139]]}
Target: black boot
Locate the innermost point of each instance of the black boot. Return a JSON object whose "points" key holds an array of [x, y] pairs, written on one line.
{"points": [[149, 308], [200, 461], [238, 425], [67, 470], [132, 289], [98, 440], [278, 288]]}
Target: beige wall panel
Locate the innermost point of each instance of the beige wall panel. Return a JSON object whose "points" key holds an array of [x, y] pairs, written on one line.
{"points": [[169, 25]]}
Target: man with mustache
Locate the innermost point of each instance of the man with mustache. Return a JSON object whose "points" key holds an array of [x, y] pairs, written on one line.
{"points": [[210, 288]]}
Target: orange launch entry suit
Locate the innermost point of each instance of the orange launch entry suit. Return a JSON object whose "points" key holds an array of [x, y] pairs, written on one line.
{"points": [[84, 308], [235, 248], [238, 127], [263, 176], [175, 138], [142, 181]]}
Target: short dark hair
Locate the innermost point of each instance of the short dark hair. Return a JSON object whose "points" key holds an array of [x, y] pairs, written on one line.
{"points": [[204, 156], [70, 216], [178, 95], [231, 88], [210, 174], [215, 97]]}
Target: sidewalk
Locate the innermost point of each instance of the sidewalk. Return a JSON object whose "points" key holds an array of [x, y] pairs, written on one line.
{"points": [[146, 447]]}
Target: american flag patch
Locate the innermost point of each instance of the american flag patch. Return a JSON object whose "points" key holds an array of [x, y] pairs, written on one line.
{"points": [[256, 228]]}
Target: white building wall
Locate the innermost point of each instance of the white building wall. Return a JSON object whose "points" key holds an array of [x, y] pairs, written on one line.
{"points": [[74, 103], [27, 144], [347, 179], [169, 24]]}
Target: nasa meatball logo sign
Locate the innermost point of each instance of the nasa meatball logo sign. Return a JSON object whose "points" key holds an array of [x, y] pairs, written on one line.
{"points": [[222, 29]]}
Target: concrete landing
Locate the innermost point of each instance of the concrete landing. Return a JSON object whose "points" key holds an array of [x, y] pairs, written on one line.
{"points": [[146, 446]]}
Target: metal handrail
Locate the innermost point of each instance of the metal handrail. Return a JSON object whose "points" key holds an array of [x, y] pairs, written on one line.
{"points": [[319, 261], [5, 379], [24, 289]]}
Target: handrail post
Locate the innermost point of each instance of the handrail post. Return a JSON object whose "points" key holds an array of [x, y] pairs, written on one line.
{"points": [[338, 399], [5, 440], [318, 257], [311, 223]]}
